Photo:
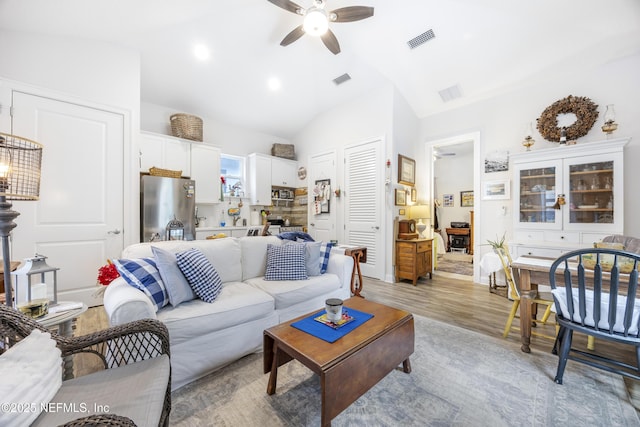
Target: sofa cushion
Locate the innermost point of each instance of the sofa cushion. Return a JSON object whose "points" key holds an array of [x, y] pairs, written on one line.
{"points": [[286, 262], [223, 254], [200, 274], [325, 250], [175, 283], [116, 391], [289, 292], [237, 303], [313, 258], [143, 274], [31, 372], [254, 255]]}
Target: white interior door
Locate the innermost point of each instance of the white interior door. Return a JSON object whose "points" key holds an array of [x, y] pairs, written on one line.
{"points": [[322, 226], [78, 221], [364, 206]]}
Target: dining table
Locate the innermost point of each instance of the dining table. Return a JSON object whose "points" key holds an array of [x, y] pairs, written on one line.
{"points": [[531, 271]]}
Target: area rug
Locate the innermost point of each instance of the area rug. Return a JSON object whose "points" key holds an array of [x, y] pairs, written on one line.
{"points": [[458, 378], [452, 262]]}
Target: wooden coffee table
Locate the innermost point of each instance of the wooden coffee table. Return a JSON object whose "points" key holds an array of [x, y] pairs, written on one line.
{"points": [[351, 365]]}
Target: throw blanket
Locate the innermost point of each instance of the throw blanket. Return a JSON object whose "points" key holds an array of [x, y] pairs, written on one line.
{"points": [[31, 373]]}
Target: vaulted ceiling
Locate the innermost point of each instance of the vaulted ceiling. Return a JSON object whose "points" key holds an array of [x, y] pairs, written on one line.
{"points": [[481, 48]]}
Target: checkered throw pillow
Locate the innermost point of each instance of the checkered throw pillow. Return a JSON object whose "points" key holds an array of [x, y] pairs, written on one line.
{"points": [[201, 275], [143, 275], [286, 262], [325, 249]]}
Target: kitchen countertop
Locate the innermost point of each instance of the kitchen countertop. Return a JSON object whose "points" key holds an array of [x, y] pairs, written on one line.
{"points": [[230, 227]]}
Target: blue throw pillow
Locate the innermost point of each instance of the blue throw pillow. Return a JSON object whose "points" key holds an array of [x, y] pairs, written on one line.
{"points": [[201, 275], [143, 274], [295, 236], [177, 286], [286, 262], [325, 250]]}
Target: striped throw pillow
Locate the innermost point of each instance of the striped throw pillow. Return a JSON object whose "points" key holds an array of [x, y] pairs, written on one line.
{"points": [[143, 275]]}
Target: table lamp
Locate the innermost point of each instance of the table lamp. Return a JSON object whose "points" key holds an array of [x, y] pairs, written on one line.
{"points": [[20, 164], [420, 212]]}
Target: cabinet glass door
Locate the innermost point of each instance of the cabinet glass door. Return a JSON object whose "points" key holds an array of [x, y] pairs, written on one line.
{"points": [[537, 194], [592, 183]]}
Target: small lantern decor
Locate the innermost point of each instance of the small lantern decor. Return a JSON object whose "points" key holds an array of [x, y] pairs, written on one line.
{"points": [[32, 297], [175, 230]]}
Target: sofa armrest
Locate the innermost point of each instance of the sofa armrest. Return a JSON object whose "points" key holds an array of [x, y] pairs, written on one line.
{"points": [[342, 266], [124, 303]]}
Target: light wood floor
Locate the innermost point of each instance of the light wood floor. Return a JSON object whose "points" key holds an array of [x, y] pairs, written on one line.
{"points": [[447, 299]]}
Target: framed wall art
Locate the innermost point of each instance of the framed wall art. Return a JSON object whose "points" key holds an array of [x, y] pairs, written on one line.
{"points": [[401, 197], [406, 170], [414, 194], [466, 199], [447, 200], [496, 190]]}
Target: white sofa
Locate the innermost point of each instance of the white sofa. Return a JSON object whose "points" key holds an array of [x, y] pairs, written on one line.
{"points": [[206, 336]]}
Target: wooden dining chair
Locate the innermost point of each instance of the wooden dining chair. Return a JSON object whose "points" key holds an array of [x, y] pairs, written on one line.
{"points": [[595, 292], [544, 300]]}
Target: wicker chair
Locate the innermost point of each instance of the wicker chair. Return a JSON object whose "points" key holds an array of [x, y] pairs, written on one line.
{"points": [[115, 346]]}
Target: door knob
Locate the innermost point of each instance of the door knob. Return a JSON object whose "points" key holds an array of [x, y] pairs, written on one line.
{"points": [[312, 224], [376, 227], [116, 231]]}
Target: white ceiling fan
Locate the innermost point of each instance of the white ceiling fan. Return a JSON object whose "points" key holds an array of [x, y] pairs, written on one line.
{"points": [[316, 21]]}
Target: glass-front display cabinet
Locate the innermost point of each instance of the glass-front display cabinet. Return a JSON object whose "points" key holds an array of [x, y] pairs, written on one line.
{"points": [[570, 194]]}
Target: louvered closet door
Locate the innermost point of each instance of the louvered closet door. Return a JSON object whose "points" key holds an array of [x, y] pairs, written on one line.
{"points": [[364, 195]]}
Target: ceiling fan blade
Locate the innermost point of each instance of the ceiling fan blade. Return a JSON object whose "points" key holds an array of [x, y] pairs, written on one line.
{"points": [[287, 5], [292, 36], [331, 42], [351, 13]]}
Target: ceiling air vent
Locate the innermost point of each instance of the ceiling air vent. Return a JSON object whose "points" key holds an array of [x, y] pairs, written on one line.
{"points": [[341, 79], [421, 39], [450, 93]]}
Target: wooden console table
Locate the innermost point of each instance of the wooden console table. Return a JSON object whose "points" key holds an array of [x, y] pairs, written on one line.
{"points": [[465, 232]]}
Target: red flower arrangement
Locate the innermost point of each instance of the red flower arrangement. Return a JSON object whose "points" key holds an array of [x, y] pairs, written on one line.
{"points": [[222, 183], [107, 273]]}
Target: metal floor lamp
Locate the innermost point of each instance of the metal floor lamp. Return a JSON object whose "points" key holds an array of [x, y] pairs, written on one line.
{"points": [[20, 164]]}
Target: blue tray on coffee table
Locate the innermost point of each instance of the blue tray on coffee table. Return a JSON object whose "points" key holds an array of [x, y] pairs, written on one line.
{"points": [[328, 333]]}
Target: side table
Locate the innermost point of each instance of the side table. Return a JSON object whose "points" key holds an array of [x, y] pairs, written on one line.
{"points": [[63, 320], [359, 254], [490, 263], [413, 259]]}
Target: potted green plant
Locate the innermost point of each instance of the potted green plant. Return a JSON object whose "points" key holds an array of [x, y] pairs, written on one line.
{"points": [[498, 243]]}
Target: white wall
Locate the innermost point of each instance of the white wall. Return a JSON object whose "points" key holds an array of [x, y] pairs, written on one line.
{"points": [[453, 175], [501, 122]]}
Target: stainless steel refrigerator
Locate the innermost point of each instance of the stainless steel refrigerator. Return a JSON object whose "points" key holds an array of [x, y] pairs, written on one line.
{"points": [[163, 200]]}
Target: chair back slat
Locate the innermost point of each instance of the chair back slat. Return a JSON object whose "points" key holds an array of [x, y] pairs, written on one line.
{"points": [[631, 297]]}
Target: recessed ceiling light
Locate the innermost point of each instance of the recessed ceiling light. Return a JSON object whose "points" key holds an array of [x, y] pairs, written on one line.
{"points": [[274, 84], [201, 52]]}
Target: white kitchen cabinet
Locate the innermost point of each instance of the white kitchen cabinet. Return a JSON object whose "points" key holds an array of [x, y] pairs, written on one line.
{"points": [[588, 177], [284, 173], [260, 179], [205, 170], [164, 151]]}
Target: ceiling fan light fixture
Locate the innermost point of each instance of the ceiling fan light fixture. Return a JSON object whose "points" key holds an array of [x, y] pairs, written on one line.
{"points": [[315, 22]]}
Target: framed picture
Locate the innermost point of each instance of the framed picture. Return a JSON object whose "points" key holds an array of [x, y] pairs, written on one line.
{"points": [[322, 196], [466, 199], [406, 170], [401, 197], [414, 194], [496, 161], [496, 190], [447, 200], [401, 212]]}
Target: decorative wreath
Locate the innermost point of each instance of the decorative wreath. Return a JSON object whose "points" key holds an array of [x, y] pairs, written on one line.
{"points": [[585, 110]]}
